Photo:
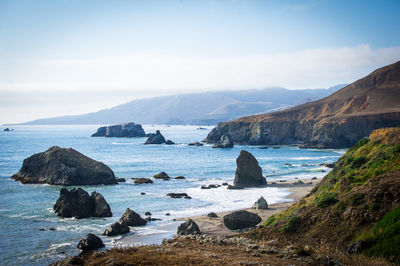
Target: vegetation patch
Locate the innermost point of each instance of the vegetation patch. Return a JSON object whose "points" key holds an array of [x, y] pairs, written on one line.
{"points": [[326, 199], [291, 225]]}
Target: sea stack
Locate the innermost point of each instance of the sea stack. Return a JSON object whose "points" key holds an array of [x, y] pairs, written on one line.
{"points": [[156, 138], [248, 172], [128, 130]]}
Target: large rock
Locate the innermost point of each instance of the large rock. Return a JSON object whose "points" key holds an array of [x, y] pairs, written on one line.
{"points": [[128, 130], [224, 142], [155, 138], [162, 175], [116, 229], [66, 167], [248, 172], [260, 204], [131, 218], [241, 220], [188, 228], [90, 242], [77, 203]]}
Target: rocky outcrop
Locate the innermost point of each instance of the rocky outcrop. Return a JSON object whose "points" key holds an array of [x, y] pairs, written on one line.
{"points": [[169, 142], [143, 181], [188, 228], [127, 130], [66, 167], [6, 129], [90, 242], [155, 138], [196, 144], [116, 229], [260, 204], [241, 220], [248, 172], [77, 203], [224, 142], [162, 175], [177, 195], [337, 121], [131, 218]]}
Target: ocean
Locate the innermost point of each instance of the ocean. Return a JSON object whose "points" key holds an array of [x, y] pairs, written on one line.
{"points": [[26, 213]]}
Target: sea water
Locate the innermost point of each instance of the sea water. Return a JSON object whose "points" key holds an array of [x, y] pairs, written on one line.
{"points": [[26, 213]]}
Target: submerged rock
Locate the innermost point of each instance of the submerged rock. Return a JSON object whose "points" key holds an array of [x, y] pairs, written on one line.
{"points": [[90, 242], [143, 181], [131, 218], [162, 175], [196, 144], [260, 204], [188, 228], [77, 203], [155, 138], [248, 172], [177, 195], [116, 229], [120, 180], [241, 220], [180, 177], [224, 142], [127, 130], [66, 167]]}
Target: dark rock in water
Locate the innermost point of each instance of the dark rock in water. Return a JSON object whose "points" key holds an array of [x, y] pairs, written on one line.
{"points": [[131, 218], [357, 247], [66, 167], [187, 197], [143, 181], [156, 138], [6, 129], [248, 172], [201, 128], [167, 214], [328, 165], [205, 187], [162, 175], [225, 184], [188, 228], [234, 187], [42, 229], [224, 142], [147, 213], [90, 242], [120, 180], [180, 177], [149, 219], [142, 193], [169, 142], [116, 229], [52, 229], [263, 148], [260, 204], [196, 144], [177, 195], [314, 178], [127, 130], [241, 220], [298, 183], [77, 203], [212, 215], [276, 147]]}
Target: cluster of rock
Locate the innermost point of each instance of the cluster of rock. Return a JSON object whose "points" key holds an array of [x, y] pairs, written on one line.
{"points": [[129, 218], [210, 186], [143, 181], [158, 138], [78, 204], [224, 142], [128, 130], [66, 167], [7, 129]]}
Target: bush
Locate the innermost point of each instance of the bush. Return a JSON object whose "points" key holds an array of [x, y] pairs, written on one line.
{"points": [[358, 162], [326, 199], [291, 225]]}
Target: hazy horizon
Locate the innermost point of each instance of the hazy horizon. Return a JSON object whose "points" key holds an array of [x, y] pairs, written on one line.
{"points": [[72, 57]]}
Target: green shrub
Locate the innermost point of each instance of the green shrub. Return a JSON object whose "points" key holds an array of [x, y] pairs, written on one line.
{"points": [[326, 199], [269, 221], [358, 162], [291, 225]]}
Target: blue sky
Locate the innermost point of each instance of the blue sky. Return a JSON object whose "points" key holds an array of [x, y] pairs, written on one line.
{"points": [[62, 50]]}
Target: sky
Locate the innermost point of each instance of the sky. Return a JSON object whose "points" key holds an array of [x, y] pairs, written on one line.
{"points": [[71, 56]]}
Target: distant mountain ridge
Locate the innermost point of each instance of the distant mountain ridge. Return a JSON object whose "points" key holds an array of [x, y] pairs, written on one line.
{"points": [[197, 108]]}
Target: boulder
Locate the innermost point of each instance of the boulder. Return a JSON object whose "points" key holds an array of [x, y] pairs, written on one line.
{"points": [[188, 228], [328, 165], [180, 177], [241, 220], [116, 229], [224, 142], [196, 144], [248, 172], [120, 180], [147, 213], [162, 175], [260, 204], [77, 203], [155, 138], [90, 242], [143, 181], [234, 187], [177, 195], [65, 167], [212, 215], [131, 218], [127, 130], [6, 129], [169, 142]]}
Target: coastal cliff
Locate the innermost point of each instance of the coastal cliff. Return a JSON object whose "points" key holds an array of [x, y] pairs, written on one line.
{"points": [[337, 121]]}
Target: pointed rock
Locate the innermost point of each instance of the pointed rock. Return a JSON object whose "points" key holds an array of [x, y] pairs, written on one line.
{"points": [[248, 172]]}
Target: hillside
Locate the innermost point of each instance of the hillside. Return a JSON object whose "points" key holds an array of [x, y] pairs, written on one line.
{"points": [[197, 108], [336, 121]]}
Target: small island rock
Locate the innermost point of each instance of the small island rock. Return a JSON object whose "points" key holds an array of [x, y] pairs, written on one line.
{"points": [[188, 228], [162, 175], [260, 204], [90, 242], [127, 130], [241, 220], [248, 172], [116, 229], [180, 177], [131, 218], [155, 138]]}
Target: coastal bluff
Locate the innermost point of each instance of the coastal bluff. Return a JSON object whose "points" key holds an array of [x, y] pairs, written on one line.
{"points": [[127, 130], [337, 121], [65, 167]]}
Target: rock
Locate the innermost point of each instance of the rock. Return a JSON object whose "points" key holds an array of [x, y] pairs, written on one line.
{"points": [[167, 214], [162, 175], [260, 204], [147, 213], [120, 180], [142, 193], [276, 147], [224, 142], [65, 167], [196, 144], [127, 130], [177, 195], [149, 219], [156, 138], [234, 187], [188, 228], [131, 218], [90, 242], [187, 197], [263, 148], [328, 165], [6, 129], [180, 177], [357, 247], [248, 172], [298, 183], [169, 142], [52, 229], [212, 215], [68, 261], [116, 229], [77, 203], [314, 178], [143, 181], [225, 184], [241, 220], [205, 187]]}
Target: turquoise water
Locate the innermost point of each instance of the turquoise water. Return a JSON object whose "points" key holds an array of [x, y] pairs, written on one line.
{"points": [[24, 209]]}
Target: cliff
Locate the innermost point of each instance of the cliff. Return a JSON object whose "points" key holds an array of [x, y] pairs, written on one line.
{"points": [[336, 121]]}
